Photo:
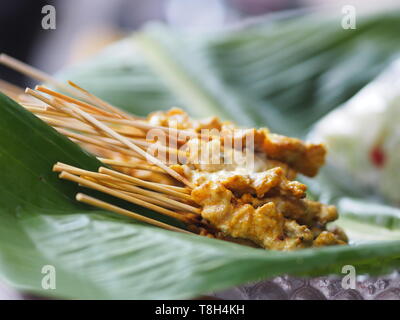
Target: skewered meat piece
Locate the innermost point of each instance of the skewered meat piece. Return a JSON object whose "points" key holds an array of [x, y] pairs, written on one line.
{"points": [[263, 222]]}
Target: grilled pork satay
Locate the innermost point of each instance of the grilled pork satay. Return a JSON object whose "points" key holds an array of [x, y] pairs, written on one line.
{"points": [[267, 222], [261, 205], [264, 225]]}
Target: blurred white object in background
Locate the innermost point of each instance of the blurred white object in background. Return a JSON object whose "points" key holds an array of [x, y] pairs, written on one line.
{"points": [[363, 136], [205, 15]]}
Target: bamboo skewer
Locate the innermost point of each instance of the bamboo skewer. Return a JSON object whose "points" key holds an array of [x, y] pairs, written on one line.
{"points": [[92, 132], [164, 203], [75, 101], [144, 198], [104, 173], [56, 104], [125, 186], [97, 124], [36, 110], [62, 107], [132, 165], [31, 72], [98, 101], [52, 114], [52, 103], [146, 126], [149, 196], [146, 184], [11, 87], [68, 125], [161, 148], [10, 90], [43, 110], [90, 184], [195, 219], [145, 144], [59, 167], [158, 196], [176, 135], [96, 142], [109, 207], [84, 127], [175, 188], [46, 78]]}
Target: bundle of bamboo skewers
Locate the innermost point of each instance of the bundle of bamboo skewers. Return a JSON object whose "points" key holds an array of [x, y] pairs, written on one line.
{"points": [[97, 125]]}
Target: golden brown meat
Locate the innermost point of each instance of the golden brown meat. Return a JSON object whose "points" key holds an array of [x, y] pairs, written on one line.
{"points": [[177, 118], [305, 211], [326, 238], [305, 158], [264, 225], [268, 222]]}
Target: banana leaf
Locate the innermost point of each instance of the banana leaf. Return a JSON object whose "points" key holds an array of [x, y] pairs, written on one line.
{"points": [[100, 255], [97, 254]]}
